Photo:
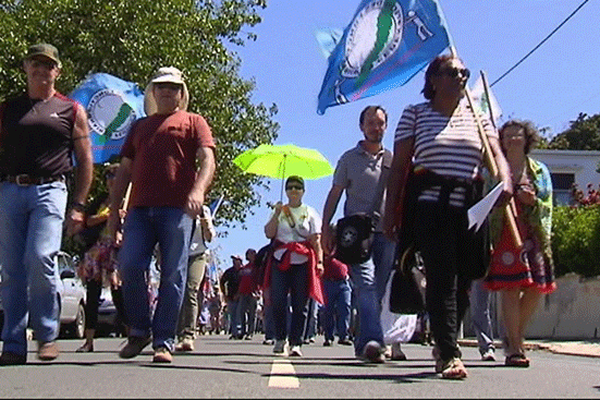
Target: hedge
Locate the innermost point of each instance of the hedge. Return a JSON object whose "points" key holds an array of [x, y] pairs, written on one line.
{"points": [[576, 240]]}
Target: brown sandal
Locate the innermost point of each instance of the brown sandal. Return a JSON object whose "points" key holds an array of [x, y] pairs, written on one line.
{"points": [[454, 369], [517, 360]]}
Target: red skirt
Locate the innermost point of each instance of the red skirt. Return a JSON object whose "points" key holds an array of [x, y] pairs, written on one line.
{"points": [[524, 267]]}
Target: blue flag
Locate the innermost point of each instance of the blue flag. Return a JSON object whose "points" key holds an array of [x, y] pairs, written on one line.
{"points": [[385, 45], [112, 106]]}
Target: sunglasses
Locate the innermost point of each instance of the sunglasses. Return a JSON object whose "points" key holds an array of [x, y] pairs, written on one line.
{"points": [[47, 64], [297, 187], [109, 175], [454, 71], [168, 85]]}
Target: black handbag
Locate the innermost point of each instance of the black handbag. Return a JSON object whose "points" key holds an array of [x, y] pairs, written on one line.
{"points": [[355, 233], [407, 291], [354, 236]]}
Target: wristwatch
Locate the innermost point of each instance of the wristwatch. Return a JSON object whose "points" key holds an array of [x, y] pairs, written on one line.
{"points": [[77, 206]]}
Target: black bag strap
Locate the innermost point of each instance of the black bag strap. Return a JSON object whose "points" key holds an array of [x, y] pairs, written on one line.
{"points": [[385, 171]]}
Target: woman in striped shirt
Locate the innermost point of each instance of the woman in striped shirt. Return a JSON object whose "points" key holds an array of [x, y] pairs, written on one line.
{"points": [[440, 139]]}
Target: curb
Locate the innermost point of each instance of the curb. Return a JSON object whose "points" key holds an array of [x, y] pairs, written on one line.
{"points": [[590, 350]]}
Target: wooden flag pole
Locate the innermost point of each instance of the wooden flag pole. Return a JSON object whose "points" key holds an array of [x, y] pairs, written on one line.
{"points": [[491, 164]]}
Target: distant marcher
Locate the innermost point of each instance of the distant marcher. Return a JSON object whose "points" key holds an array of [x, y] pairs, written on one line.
{"points": [[199, 253], [99, 264], [229, 284], [480, 302], [337, 310], [523, 283], [169, 159], [40, 130], [248, 297], [295, 266]]}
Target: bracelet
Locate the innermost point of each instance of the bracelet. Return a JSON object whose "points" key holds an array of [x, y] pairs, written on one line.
{"points": [[77, 206]]}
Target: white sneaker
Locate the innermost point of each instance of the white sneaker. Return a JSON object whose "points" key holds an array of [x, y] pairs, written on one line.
{"points": [[280, 347], [488, 355], [295, 351]]}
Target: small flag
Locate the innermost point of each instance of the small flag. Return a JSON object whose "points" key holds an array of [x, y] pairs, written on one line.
{"points": [[385, 45], [482, 104], [112, 105], [328, 38]]}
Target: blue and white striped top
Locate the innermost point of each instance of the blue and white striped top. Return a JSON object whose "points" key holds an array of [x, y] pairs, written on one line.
{"points": [[448, 146]]}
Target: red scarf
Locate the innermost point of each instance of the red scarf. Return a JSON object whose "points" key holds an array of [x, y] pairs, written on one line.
{"points": [[315, 288]]}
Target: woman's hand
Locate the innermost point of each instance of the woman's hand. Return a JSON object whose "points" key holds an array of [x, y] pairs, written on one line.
{"points": [[525, 193]]}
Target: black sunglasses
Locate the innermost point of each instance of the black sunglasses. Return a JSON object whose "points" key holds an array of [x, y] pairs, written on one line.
{"points": [[454, 71], [168, 85], [109, 175], [297, 187], [47, 64]]}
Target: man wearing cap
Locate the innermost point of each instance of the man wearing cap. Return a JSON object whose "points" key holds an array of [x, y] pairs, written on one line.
{"points": [[39, 132], [230, 283], [169, 159]]}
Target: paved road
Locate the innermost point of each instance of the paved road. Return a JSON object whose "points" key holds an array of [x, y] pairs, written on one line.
{"points": [[247, 369]]}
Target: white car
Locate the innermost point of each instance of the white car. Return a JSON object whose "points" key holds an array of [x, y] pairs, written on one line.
{"points": [[71, 296]]}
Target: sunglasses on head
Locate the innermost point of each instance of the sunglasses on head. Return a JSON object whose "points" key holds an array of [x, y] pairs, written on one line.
{"points": [[297, 187], [454, 71]]}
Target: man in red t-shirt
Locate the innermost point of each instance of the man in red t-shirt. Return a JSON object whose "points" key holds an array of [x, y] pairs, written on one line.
{"points": [[160, 158], [248, 296]]}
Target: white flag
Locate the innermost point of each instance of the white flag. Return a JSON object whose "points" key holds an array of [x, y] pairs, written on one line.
{"points": [[481, 102]]}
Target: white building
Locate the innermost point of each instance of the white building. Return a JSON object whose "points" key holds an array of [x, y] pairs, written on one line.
{"points": [[570, 166]]}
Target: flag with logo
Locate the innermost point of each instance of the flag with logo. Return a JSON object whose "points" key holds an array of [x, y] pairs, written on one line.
{"points": [[112, 105], [384, 46]]}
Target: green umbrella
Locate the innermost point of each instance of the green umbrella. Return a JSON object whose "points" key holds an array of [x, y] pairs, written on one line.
{"points": [[282, 161]]}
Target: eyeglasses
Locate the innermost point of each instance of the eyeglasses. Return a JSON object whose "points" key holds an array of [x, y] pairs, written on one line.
{"points": [[454, 71], [297, 187], [109, 175], [47, 64], [168, 85]]}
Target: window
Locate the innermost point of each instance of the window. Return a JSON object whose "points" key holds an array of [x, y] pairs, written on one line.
{"points": [[562, 184]]}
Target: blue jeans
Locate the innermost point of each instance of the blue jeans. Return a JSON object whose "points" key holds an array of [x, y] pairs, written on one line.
{"points": [[367, 278], [336, 311], [294, 280], [235, 327], [31, 224], [144, 227], [480, 316]]}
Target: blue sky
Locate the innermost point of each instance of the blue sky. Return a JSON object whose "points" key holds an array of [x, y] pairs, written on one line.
{"points": [[551, 87]]}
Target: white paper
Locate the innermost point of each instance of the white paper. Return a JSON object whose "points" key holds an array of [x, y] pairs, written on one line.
{"points": [[479, 212]]}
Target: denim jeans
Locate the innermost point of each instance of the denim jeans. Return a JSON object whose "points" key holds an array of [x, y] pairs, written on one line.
{"points": [[188, 316], [144, 227], [232, 311], [480, 316], [366, 278], [336, 311], [246, 314], [295, 280], [31, 225]]}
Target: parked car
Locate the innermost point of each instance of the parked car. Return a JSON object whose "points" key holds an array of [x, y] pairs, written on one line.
{"points": [[71, 296]]}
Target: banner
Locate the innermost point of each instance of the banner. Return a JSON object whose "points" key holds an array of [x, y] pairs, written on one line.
{"points": [[112, 105], [385, 45], [481, 102]]}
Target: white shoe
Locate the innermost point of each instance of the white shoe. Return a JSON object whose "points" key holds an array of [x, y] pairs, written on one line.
{"points": [[488, 355], [280, 347], [295, 351]]}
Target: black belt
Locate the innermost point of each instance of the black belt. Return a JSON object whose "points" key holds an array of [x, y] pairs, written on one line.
{"points": [[27, 180]]}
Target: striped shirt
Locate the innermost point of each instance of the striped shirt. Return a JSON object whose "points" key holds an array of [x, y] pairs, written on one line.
{"points": [[448, 146]]}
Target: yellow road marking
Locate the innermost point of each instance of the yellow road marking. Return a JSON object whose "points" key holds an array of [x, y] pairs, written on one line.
{"points": [[283, 375]]}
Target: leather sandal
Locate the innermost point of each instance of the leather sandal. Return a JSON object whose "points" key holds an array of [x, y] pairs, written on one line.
{"points": [[517, 360], [85, 348], [454, 369]]}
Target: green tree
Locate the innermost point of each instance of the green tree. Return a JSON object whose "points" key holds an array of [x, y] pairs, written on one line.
{"points": [[583, 134], [131, 39]]}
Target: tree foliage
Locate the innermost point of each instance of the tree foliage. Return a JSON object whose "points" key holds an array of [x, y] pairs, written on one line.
{"points": [[583, 134], [131, 40]]}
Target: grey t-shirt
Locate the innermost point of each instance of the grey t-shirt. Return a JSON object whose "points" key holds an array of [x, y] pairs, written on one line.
{"points": [[358, 172]]}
